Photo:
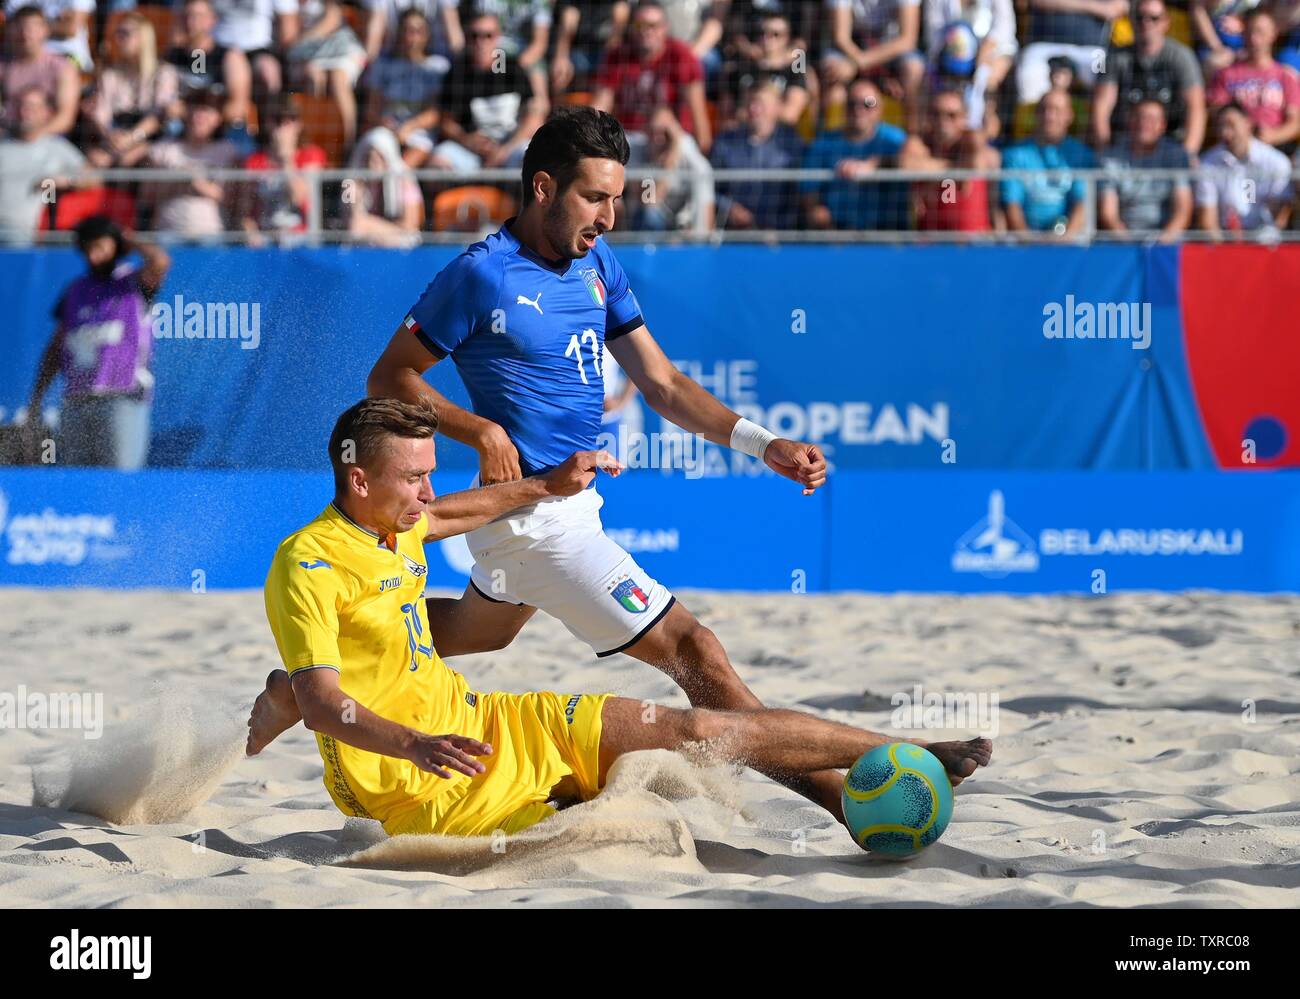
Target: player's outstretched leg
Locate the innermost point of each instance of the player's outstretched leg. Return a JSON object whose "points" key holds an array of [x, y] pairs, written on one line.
{"points": [[691, 654], [773, 741]]}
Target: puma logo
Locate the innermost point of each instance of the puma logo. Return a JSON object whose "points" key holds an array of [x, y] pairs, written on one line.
{"points": [[520, 300]]}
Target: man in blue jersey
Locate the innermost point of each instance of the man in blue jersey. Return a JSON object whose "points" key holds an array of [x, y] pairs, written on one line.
{"points": [[526, 315]]}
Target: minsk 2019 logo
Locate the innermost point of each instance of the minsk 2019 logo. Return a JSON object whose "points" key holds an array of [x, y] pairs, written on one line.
{"points": [[996, 545], [630, 595], [53, 538]]}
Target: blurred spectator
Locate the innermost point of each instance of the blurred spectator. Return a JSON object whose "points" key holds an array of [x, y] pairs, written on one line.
{"points": [[762, 143], [1266, 89], [328, 57], [135, 94], [33, 166], [669, 203], [1145, 204], [880, 38], [584, 31], [382, 26], [387, 211], [1078, 30], [993, 25], [69, 27], [653, 69], [772, 60], [404, 87], [622, 419], [102, 346], [865, 147], [1287, 13], [525, 28], [1244, 184], [1219, 31], [1155, 68], [1051, 200], [31, 65], [687, 20], [950, 141], [258, 28], [281, 203], [489, 106], [192, 208], [203, 65]]}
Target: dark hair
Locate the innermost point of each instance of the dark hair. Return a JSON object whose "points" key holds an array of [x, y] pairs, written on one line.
{"points": [[22, 13], [572, 133], [1239, 108], [96, 227], [409, 13], [368, 425]]}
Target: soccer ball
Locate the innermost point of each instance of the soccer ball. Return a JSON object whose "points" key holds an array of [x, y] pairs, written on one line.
{"points": [[897, 799]]}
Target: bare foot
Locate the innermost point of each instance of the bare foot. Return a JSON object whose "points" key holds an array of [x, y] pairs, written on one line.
{"points": [[274, 711], [961, 759]]}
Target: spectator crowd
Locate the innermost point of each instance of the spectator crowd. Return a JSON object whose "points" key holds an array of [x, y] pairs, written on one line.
{"points": [[1206, 90]]}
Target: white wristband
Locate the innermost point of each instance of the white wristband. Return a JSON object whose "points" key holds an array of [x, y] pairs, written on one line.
{"points": [[750, 438]]}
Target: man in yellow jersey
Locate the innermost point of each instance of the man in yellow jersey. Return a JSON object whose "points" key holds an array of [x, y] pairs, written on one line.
{"points": [[403, 737]]}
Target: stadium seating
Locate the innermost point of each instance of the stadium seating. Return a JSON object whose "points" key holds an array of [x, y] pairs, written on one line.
{"points": [[71, 207], [469, 208], [321, 124]]}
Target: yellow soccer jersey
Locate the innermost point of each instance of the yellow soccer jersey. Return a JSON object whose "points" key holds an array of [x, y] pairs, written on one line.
{"points": [[338, 596]]}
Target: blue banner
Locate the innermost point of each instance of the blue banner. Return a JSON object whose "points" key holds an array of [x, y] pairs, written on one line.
{"points": [[916, 358], [948, 531]]}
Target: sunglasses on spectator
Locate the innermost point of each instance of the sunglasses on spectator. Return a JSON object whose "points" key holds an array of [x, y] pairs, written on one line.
{"points": [[483, 34]]}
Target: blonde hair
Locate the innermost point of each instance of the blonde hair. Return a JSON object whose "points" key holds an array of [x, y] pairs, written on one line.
{"points": [[147, 63]]}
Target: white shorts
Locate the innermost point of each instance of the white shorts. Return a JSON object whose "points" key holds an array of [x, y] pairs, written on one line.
{"points": [[555, 556]]}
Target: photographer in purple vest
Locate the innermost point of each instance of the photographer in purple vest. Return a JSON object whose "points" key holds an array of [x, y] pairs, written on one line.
{"points": [[102, 345]]}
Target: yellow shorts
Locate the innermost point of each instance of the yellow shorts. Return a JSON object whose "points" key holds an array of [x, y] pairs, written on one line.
{"points": [[538, 741]]}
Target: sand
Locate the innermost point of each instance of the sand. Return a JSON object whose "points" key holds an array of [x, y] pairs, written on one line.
{"points": [[1147, 754]]}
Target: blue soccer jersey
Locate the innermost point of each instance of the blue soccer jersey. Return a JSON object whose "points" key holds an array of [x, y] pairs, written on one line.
{"points": [[528, 338]]}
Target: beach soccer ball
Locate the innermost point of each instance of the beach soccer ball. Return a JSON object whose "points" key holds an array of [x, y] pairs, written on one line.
{"points": [[897, 799]]}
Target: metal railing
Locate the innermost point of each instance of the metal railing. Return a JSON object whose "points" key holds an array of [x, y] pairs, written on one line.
{"points": [[329, 191]]}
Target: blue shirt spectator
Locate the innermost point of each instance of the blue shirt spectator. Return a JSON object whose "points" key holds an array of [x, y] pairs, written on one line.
{"points": [[863, 148], [761, 144], [1054, 196]]}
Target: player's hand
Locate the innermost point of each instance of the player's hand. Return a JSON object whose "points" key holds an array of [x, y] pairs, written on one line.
{"points": [[498, 460], [440, 754], [578, 470], [803, 463]]}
